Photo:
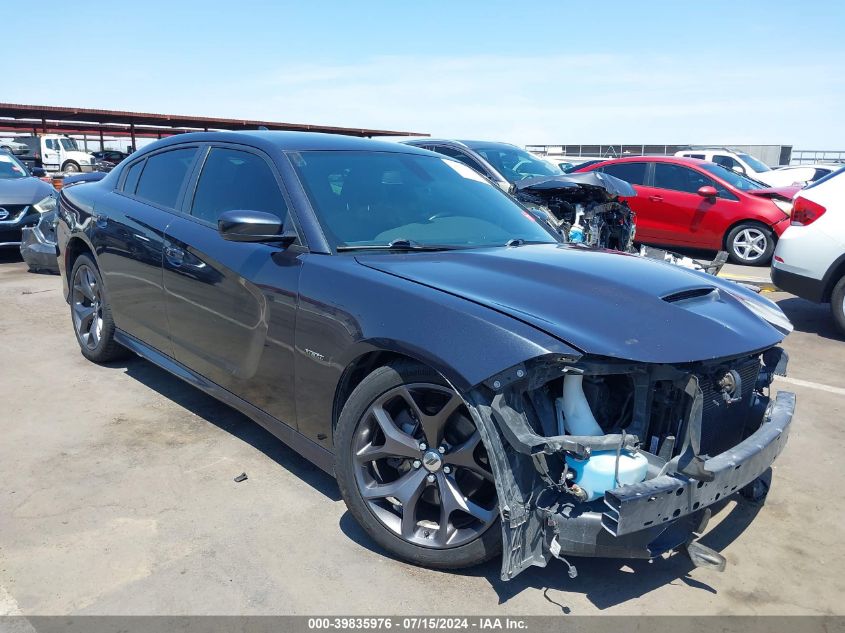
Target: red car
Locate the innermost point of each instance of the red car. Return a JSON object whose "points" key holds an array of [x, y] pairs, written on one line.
{"points": [[697, 204]]}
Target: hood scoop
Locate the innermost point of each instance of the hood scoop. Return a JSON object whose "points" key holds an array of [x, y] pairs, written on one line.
{"points": [[692, 294]]}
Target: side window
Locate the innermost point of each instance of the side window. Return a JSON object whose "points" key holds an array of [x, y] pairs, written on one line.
{"points": [[677, 178], [460, 156], [633, 173], [728, 162], [50, 143], [698, 156], [132, 174], [233, 179], [163, 176]]}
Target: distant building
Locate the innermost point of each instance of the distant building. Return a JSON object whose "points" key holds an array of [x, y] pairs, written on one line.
{"points": [[772, 155]]}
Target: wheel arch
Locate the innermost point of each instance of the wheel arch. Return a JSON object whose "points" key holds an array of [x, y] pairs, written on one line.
{"points": [[747, 221], [363, 365], [833, 275], [75, 247]]}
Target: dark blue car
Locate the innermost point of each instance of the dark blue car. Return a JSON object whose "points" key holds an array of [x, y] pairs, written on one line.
{"points": [[471, 381]]}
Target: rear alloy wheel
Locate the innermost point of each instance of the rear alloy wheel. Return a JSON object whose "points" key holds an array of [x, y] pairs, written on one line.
{"points": [[413, 470], [751, 244], [837, 304], [91, 313]]}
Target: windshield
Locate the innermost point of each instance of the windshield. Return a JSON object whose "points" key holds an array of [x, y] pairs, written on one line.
{"points": [[11, 168], [755, 164], [830, 176], [743, 183], [69, 144], [375, 198], [516, 164]]}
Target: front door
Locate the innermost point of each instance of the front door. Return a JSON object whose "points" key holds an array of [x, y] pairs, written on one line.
{"points": [[232, 305], [50, 156]]}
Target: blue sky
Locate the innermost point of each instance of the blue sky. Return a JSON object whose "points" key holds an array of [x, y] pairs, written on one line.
{"points": [[540, 72]]}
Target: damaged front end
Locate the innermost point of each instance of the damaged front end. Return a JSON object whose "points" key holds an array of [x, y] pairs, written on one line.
{"points": [[598, 457], [585, 208]]}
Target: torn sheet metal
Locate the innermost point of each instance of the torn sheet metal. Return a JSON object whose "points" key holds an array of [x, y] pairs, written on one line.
{"points": [[585, 208], [38, 245], [671, 415]]}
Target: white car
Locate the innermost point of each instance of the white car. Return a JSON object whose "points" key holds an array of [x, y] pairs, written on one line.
{"points": [[738, 162], [13, 146], [798, 174], [809, 259]]}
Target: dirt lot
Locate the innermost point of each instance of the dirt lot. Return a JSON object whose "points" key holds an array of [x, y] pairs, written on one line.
{"points": [[118, 497]]}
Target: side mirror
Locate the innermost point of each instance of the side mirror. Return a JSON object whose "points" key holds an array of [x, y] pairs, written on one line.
{"points": [[739, 169], [707, 191], [252, 226], [38, 172]]}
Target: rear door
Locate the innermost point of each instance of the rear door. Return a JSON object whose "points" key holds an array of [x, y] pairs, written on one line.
{"points": [[129, 237], [232, 305]]}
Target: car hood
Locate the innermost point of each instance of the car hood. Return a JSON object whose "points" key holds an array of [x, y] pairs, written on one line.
{"points": [[609, 185], [781, 193], [602, 302], [23, 191]]}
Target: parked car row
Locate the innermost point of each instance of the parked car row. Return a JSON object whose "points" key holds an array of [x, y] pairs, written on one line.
{"points": [[58, 153], [695, 203], [476, 384]]}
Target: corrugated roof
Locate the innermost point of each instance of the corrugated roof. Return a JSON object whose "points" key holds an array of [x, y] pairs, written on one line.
{"points": [[15, 116]]}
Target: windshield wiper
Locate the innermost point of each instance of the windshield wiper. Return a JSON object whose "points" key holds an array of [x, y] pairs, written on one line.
{"points": [[400, 244], [518, 241]]}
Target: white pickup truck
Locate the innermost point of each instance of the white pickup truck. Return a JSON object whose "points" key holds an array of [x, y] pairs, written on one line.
{"points": [[58, 153]]}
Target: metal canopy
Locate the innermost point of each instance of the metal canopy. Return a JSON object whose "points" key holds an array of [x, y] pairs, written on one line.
{"points": [[65, 120]]}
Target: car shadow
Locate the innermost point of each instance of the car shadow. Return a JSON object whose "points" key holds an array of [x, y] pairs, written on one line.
{"points": [[605, 582], [228, 419], [10, 255], [809, 317]]}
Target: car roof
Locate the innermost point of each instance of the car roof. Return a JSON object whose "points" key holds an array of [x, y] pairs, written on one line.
{"points": [[288, 141], [461, 142], [813, 166], [678, 160]]}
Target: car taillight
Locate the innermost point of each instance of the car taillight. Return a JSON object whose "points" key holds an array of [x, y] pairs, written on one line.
{"points": [[805, 211]]}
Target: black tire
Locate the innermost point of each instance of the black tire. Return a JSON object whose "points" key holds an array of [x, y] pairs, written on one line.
{"points": [[71, 166], [837, 304], [381, 381], [99, 345], [750, 244]]}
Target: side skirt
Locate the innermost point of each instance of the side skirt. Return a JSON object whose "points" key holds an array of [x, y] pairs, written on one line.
{"points": [[311, 451]]}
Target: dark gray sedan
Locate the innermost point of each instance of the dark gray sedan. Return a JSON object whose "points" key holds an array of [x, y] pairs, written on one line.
{"points": [[23, 198]]}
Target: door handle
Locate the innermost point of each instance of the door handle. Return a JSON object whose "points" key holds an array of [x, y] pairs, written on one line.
{"points": [[656, 198], [174, 255]]}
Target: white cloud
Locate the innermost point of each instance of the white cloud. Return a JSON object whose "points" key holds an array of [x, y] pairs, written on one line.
{"points": [[564, 98]]}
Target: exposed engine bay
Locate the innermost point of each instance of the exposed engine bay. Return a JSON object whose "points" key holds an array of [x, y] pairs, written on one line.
{"points": [[588, 208], [585, 208], [602, 457]]}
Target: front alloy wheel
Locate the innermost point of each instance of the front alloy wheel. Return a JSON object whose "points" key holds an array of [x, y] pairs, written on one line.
{"points": [[416, 474], [751, 244]]}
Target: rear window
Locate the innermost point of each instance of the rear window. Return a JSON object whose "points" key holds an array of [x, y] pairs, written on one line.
{"points": [[826, 178], [163, 176], [631, 172], [132, 175]]}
